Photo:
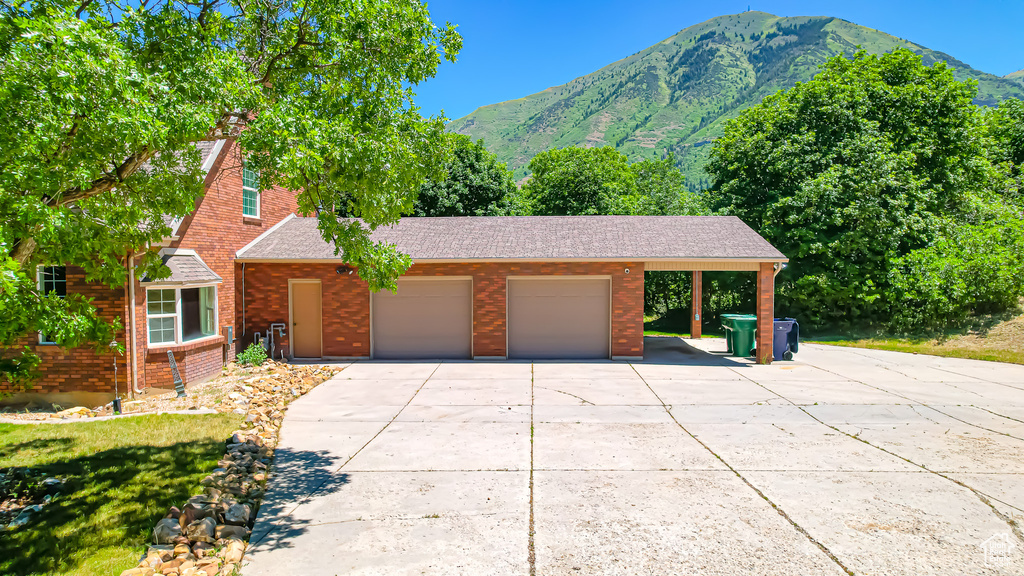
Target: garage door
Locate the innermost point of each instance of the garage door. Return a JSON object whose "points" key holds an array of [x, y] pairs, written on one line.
{"points": [[565, 317], [426, 318]]}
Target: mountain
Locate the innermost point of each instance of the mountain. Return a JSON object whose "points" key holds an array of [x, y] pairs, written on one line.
{"points": [[1017, 76], [676, 95]]}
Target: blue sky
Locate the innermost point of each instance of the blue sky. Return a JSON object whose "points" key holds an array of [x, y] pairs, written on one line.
{"points": [[515, 48]]}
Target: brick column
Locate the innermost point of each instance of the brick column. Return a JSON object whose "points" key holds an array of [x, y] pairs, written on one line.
{"points": [[697, 307], [765, 312]]}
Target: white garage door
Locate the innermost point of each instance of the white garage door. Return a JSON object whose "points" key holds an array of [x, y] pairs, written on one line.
{"points": [[559, 317], [426, 318]]}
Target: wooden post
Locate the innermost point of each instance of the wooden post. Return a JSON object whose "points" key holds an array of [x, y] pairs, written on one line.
{"points": [[765, 312], [697, 307]]}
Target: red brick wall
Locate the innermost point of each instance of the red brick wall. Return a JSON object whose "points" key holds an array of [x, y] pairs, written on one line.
{"points": [[196, 362], [765, 312], [79, 369], [217, 228], [346, 302]]}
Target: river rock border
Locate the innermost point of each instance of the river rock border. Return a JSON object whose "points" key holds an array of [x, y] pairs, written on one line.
{"points": [[207, 536]]}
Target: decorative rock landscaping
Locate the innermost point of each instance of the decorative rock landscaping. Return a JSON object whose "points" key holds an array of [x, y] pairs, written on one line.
{"points": [[208, 534]]}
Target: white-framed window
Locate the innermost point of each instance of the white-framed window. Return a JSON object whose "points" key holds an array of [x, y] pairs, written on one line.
{"points": [[51, 280], [179, 315], [250, 192]]}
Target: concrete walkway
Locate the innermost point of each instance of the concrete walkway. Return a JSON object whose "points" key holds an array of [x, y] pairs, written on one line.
{"points": [[845, 461]]}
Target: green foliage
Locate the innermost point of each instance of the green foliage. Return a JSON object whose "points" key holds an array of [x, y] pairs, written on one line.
{"points": [[1005, 126], [845, 174], [474, 183], [973, 270], [254, 355], [102, 102], [581, 181], [677, 95]]}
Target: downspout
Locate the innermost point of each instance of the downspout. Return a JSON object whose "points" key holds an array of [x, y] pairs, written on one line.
{"points": [[131, 313], [243, 303]]}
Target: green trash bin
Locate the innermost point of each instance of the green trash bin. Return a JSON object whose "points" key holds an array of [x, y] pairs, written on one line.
{"points": [[728, 326], [743, 330]]}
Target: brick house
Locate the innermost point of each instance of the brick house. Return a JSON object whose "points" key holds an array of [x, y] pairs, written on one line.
{"points": [[490, 287], [243, 266], [187, 314]]}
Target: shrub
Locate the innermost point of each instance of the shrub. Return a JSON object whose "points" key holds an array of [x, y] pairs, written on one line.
{"points": [[254, 355]]}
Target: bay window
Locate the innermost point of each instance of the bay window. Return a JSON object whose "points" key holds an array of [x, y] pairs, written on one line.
{"points": [[179, 315]]}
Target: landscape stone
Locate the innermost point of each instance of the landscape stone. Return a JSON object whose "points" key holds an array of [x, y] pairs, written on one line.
{"points": [[202, 530], [238, 515], [166, 531]]}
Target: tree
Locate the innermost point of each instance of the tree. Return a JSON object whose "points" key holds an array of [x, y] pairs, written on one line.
{"points": [[1005, 126], [574, 181], [579, 181], [474, 183], [102, 101], [872, 159]]}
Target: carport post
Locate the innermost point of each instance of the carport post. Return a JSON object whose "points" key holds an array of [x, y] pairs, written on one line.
{"points": [[765, 312], [695, 321]]}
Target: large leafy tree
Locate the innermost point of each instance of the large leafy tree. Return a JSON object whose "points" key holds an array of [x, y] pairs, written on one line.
{"points": [[580, 181], [102, 101], [874, 158], [474, 183]]}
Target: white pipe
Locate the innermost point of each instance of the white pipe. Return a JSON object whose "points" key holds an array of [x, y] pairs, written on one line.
{"points": [[131, 314]]}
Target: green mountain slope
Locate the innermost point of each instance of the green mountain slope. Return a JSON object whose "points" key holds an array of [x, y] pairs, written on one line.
{"points": [[676, 95], [1017, 76]]}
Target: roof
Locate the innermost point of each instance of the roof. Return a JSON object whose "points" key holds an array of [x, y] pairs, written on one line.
{"points": [[186, 268], [534, 238]]}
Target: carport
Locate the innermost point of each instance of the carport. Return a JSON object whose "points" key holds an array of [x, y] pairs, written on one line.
{"points": [[495, 288]]}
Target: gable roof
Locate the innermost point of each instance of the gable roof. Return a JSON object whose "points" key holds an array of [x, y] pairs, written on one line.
{"points": [[530, 238], [186, 268]]}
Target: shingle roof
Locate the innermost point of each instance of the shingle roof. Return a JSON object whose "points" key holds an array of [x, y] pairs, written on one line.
{"points": [[535, 238], [186, 268]]}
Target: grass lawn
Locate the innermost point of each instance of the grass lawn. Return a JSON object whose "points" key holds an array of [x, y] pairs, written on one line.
{"points": [[1002, 341], [121, 476], [674, 324]]}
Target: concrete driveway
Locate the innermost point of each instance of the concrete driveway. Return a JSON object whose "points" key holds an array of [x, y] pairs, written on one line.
{"points": [[845, 461]]}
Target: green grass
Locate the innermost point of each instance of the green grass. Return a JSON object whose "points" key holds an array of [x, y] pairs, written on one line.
{"points": [[121, 477], [676, 323], [930, 347]]}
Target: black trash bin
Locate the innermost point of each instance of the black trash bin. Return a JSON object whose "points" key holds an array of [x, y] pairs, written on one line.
{"points": [[786, 340]]}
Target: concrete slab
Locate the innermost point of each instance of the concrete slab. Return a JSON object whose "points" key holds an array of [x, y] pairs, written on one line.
{"points": [[511, 369], [598, 369], [379, 370], [593, 446], [483, 392], [766, 414], [447, 446], [793, 446], [704, 392], [602, 414], [664, 523], [891, 523], [596, 391], [403, 523], [452, 413], [946, 448], [439, 480]]}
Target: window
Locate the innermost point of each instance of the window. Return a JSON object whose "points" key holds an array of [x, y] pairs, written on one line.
{"points": [[52, 280], [177, 315], [250, 192]]}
